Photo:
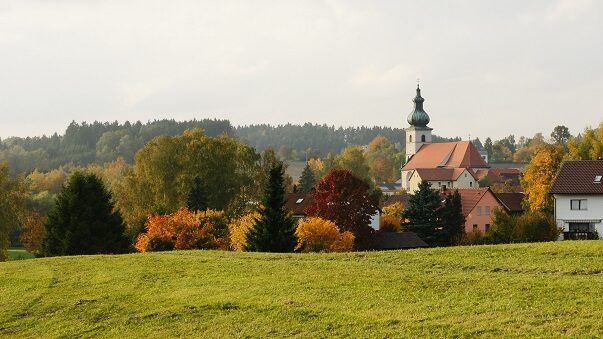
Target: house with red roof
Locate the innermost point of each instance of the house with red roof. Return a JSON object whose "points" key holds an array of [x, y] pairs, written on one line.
{"points": [[578, 193]]}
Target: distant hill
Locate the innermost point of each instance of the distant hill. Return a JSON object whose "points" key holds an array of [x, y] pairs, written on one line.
{"points": [[521, 290]]}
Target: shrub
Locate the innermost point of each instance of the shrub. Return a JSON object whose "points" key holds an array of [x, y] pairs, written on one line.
{"points": [[238, 230], [396, 209], [389, 223], [527, 227], [184, 230], [320, 235]]}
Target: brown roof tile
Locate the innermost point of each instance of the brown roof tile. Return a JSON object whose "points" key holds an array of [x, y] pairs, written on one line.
{"points": [[461, 154], [511, 201], [296, 203], [578, 177], [398, 241]]}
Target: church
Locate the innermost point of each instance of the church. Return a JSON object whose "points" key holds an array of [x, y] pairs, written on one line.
{"points": [[443, 165]]}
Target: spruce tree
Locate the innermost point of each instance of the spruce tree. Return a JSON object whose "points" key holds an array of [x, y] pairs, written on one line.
{"points": [[452, 220], [274, 229], [83, 220], [422, 212], [196, 199], [307, 180]]}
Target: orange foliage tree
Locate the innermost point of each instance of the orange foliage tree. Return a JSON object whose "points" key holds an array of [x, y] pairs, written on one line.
{"points": [[33, 231], [238, 230], [320, 235], [184, 230], [389, 223]]}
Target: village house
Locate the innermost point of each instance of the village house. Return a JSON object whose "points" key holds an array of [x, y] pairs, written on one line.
{"points": [[578, 194]]}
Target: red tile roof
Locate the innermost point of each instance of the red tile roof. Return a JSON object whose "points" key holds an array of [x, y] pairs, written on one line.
{"points": [[578, 177], [434, 174], [461, 154]]}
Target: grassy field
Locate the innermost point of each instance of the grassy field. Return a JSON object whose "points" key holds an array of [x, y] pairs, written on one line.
{"points": [[545, 290], [19, 254]]}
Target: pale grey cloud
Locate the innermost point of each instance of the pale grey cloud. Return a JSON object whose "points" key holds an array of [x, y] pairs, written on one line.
{"points": [[487, 68]]}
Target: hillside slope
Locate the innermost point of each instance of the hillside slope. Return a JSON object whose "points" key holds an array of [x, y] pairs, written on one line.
{"points": [[547, 289]]}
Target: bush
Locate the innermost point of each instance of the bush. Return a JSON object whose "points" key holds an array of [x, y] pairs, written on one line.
{"points": [[320, 235], [238, 230], [389, 223], [396, 209], [184, 230], [527, 227]]}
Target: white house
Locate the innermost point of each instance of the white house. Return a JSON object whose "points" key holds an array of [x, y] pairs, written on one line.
{"points": [[578, 193]]}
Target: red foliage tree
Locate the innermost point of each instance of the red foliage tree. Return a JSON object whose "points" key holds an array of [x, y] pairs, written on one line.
{"points": [[347, 201]]}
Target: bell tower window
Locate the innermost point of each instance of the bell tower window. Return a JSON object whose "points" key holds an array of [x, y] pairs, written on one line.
{"points": [[410, 138], [423, 138]]}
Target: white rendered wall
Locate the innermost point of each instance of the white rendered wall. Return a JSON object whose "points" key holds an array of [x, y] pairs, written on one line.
{"points": [[564, 212]]}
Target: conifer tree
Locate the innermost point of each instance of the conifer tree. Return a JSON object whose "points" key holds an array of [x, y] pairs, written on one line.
{"points": [[83, 220], [422, 212], [452, 219], [274, 229], [196, 199], [307, 180]]}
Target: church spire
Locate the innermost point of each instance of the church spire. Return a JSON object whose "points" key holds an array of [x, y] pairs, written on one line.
{"points": [[418, 117]]}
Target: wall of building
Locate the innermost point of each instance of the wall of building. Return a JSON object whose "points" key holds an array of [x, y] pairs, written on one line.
{"points": [[483, 218], [594, 210], [466, 180], [413, 140]]}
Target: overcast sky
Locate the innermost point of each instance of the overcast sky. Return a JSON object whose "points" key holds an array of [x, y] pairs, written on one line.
{"points": [[487, 68]]}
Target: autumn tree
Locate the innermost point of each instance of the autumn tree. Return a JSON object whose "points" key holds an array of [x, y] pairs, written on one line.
{"points": [[381, 155], [33, 232], [560, 135], [320, 235], [538, 178], [318, 168], [238, 229], [586, 146], [348, 201], [352, 158], [274, 229], [306, 181], [12, 206], [83, 220]]}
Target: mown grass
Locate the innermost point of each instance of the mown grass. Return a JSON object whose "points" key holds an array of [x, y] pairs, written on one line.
{"points": [[19, 254], [544, 290]]}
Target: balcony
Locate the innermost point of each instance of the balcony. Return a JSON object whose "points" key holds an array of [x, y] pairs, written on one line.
{"points": [[579, 235]]}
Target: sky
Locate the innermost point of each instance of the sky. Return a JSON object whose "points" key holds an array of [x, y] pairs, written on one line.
{"points": [[486, 68]]}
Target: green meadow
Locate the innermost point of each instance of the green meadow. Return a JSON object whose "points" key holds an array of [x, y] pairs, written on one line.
{"points": [[544, 290]]}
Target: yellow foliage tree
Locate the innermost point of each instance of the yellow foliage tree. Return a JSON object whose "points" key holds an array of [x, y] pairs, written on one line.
{"points": [[389, 223], [318, 168], [320, 235], [396, 209], [239, 228], [539, 175]]}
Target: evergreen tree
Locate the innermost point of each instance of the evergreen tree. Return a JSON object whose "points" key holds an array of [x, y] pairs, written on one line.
{"points": [[452, 219], [274, 229], [83, 220], [196, 199], [422, 213], [307, 180]]}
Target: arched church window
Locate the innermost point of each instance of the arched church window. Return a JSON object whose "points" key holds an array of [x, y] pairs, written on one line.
{"points": [[410, 138], [423, 138]]}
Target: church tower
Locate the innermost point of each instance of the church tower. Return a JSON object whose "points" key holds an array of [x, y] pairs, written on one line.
{"points": [[418, 134]]}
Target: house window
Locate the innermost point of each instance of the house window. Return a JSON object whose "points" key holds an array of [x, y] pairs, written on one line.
{"points": [[487, 210], [579, 227], [470, 183], [578, 204], [598, 179], [487, 227], [440, 183], [474, 227], [478, 210], [410, 138], [423, 138]]}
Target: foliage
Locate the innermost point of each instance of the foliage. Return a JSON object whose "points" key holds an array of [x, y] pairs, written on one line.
{"points": [[318, 168], [527, 227], [196, 200], [352, 158], [389, 223], [83, 220], [33, 232], [274, 230], [560, 135], [239, 228], [538, 177], [382, 159], [320, 235], [307, 181], [184, 230], [422, 212], [396, 209], [12, 206], [452, 220], [348, 201], [587, 146]]}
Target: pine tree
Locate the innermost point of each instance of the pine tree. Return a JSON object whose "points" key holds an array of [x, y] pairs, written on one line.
{"points": [[196, 199], [422, 213], [83, 220], [307, 180], [452, 220], [274, 230]]}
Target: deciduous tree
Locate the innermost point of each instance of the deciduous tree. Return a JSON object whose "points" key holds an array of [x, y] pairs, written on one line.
{"points": [[320, 235], [539, 175], [12, 206]]}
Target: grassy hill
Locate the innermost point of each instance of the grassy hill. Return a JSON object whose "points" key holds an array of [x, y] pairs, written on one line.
{"points": [[547, 289]]}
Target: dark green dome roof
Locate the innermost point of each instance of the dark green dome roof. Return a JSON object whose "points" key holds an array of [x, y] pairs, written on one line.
{"points": [[418, 117]]}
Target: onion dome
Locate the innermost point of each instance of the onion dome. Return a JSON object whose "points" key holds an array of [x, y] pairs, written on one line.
{"points": [[418, 117]]}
